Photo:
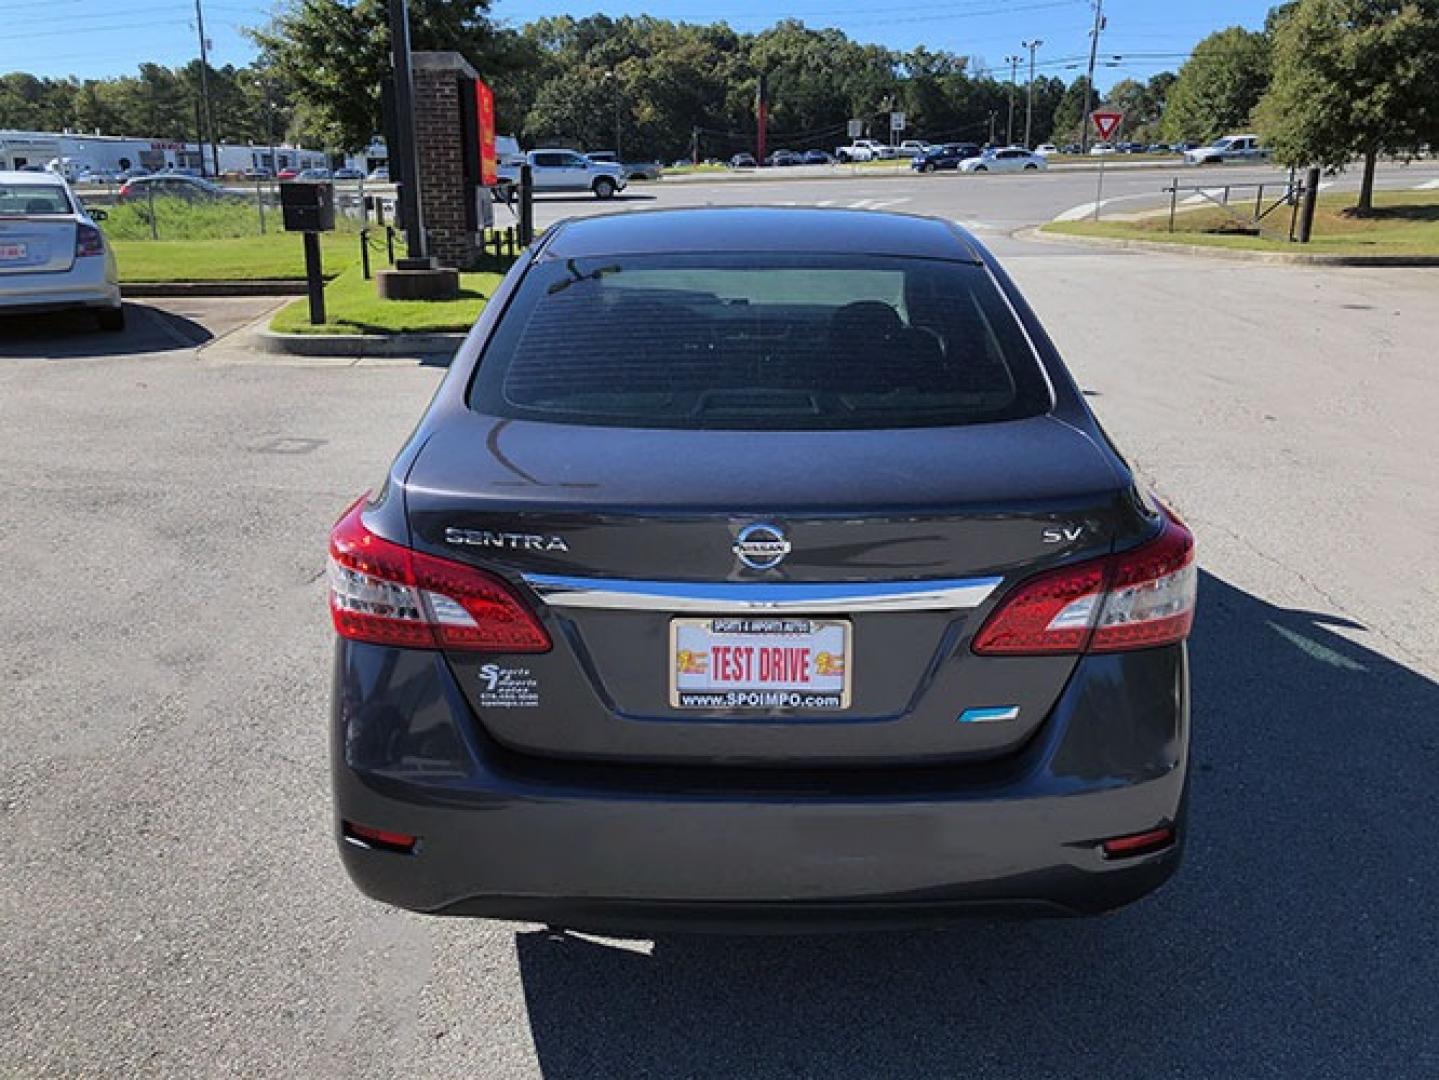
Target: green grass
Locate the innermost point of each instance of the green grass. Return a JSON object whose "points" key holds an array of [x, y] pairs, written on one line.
{"points": [[275, 255], [353, 307], [1403, 223]]}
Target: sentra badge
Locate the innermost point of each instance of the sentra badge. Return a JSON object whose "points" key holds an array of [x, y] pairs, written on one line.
{"points": [[507, 540]]}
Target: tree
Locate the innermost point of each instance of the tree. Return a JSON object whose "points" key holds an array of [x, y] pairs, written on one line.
{"points": [[1218, 86], [1069, 118], [1353, 77], [335, 54]]}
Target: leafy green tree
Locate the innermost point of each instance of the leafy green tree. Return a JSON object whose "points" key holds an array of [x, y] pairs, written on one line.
{"points": [[1069, 118], [1218, 86], [335, 54], [1353, 77]]}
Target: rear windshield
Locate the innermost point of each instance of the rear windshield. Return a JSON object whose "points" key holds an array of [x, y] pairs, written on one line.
{"points": [[765, 342], [25, 200]]}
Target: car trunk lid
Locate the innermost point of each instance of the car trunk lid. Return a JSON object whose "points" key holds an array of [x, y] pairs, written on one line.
{"points": [[899, 541], [30, 245]]}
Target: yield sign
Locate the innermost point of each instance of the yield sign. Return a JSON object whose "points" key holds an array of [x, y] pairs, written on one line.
{"points": [[1106, 122]]}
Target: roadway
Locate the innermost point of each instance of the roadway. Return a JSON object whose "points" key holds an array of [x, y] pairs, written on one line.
{"points": [[171, 903]]}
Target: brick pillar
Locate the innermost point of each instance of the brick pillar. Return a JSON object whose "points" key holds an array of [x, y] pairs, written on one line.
{"points": [[439, 144]]}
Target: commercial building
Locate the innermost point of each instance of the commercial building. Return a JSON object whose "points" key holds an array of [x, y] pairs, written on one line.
{"points": [[73, 153]]}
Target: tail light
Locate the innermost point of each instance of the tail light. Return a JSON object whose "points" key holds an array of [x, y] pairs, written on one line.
{"points": [[88, 241], [389, 594], [1134, 600]]}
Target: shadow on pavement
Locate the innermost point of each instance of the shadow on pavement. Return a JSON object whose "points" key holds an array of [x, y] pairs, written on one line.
{"points": [[74, 334], [1298, 939]]}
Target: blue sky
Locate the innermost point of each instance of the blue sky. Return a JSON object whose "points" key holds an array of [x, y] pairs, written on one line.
{"points": [[94, 38]]}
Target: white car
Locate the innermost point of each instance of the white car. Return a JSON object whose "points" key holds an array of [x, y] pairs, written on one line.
{"points": [[1009, 159], [1099, 149], [1045, 149], [53, 257], [567, 170], [912, 148], [1231, 148]]}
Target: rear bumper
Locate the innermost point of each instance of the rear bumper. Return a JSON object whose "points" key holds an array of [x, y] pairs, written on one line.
{"points": [[646, 848], [87, 284]]}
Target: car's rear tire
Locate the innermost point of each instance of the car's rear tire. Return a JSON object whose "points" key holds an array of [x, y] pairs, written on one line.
{"points": [[111, 320], [605, 188], [981, 168], [1031, 165]]}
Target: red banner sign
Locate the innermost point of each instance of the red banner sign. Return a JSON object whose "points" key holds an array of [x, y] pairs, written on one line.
{"points": [[485, 118]]}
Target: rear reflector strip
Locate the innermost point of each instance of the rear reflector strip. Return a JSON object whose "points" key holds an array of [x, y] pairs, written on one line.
{"points": [[1122, 847], [381, 839], [721, 597]]}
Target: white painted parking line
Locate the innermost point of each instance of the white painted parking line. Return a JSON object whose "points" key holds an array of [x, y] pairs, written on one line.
{"points": [[825, 202], [879, 204], [860, 204], [1084, 210]]}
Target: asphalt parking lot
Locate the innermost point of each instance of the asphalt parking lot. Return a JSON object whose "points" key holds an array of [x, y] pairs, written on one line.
{"points": [[170, 902]]}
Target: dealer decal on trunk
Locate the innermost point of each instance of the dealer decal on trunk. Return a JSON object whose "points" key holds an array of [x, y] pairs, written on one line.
{"points": [[508, 687]]}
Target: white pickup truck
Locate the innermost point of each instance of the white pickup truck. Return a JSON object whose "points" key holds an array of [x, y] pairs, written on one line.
{"points": [[865, 150]]}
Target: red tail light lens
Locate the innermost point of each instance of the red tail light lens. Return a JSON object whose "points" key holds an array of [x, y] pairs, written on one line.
{"points": [[1134, 600], [88, 241], [388, 594], [125, 190]]}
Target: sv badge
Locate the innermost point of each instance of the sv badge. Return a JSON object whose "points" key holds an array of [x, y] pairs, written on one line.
{"points": [[1065, 534]]}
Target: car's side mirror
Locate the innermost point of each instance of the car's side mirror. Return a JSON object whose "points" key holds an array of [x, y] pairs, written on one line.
{"points": [[98, 215]]}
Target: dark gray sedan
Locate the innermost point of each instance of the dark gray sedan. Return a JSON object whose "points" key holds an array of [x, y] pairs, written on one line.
{"points": [[760, 568]]}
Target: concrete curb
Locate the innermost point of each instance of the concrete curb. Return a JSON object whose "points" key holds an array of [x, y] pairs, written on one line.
{"points": [[357, 345], [1230, 254], [845, 172], [138, 289]]}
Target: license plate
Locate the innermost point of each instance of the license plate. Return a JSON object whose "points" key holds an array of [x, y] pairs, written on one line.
{"points": [[766, 662], [13, 252]]}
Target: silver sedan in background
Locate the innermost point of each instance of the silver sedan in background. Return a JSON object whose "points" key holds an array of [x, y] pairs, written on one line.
{"points": [[53, 256]]}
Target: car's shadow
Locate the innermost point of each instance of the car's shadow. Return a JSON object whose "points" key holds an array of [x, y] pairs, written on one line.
{"points": [[1299, 939], [74, 334]]}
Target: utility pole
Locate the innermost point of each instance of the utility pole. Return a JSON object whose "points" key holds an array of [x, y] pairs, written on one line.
{"points": [[1029, 94], [1089, 82], [1013, 62], [993, 113], [205, 93], [407, 151], [270, 125], [694, 145], [609, 76]]}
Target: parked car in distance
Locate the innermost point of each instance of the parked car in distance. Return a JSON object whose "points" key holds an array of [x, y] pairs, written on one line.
{"points": [[53, 256], [380, 175], [1045, 149], [314, 175], [556, 170], [913, 147], [257, 173], [939, 158], [1227, 150], [348, 173], [742, 161], [287, 173], [818, 157], [1005, 160], [1181, 147], [1100, 149], [866, 150], [172, 185], [944, 673], [1071, 148], [783, 159], [1157, 148]]}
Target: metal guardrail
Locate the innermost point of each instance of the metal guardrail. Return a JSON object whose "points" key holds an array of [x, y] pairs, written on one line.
{"points": [[1291, 192]]}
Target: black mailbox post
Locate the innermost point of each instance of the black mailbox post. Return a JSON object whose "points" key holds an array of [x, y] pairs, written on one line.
{"points": [[309, 208]]}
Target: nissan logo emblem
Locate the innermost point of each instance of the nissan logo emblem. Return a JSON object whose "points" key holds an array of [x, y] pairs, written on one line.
{"points": [[760, 546]]}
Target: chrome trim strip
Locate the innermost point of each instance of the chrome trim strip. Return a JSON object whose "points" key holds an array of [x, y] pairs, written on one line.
{"points": [[722, 597]]}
